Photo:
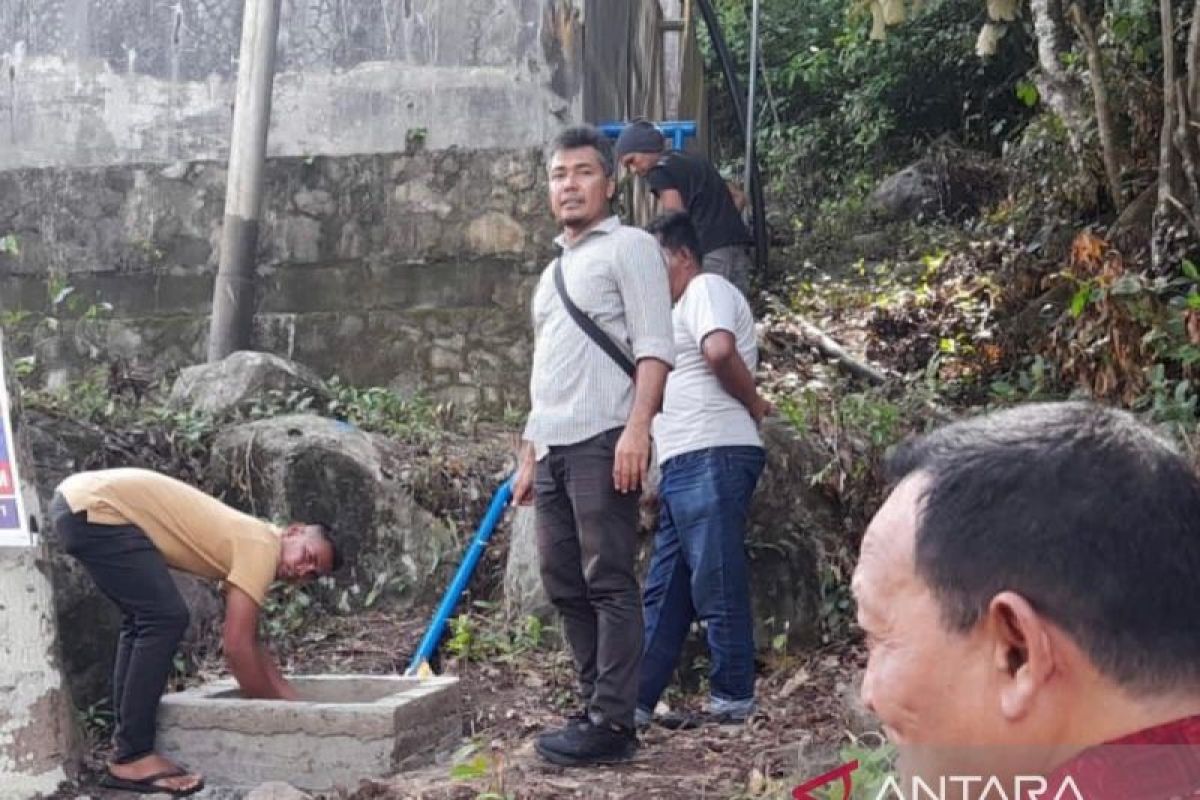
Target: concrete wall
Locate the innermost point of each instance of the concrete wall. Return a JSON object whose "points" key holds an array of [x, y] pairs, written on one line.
{"points": [[36, 736], [405, 218], [92, 82], [411, 269]]}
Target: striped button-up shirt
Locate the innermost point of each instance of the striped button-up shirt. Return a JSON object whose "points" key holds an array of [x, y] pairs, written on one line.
{"points": [[617, 276]]}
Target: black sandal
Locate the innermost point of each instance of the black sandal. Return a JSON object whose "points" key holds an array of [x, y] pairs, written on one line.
{"points": [[149, 785]]}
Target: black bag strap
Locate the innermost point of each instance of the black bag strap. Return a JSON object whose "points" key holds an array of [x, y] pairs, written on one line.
{"points": [[589, 326]]}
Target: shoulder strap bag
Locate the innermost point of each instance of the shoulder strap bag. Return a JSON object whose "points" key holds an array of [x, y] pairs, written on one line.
{"points": [[589, 326]]}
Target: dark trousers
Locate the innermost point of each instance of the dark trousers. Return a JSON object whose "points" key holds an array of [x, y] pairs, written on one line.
{"points": [[587, 544], [131, 572]]}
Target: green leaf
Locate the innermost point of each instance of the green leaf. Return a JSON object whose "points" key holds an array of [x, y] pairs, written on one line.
{"points": [[1193, 300], [8, 244], [476, 768], [1080, 299], [1190, 270], [1027, 93]]}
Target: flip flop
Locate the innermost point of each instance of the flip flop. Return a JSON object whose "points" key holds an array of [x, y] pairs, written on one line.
{"points": [[148, 785]]}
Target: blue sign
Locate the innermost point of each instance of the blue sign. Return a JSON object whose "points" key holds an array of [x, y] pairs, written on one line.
{"points": [[10, 518], [13, 529]]}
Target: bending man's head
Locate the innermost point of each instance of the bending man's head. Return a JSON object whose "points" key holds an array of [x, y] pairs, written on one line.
{"points": [[307, 551], [640, 146]]}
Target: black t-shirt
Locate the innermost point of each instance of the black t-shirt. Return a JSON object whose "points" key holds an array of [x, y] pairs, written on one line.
{"points": [[706, 197]]}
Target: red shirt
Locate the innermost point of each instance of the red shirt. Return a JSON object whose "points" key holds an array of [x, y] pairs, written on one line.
{"points": [[1157, 763]]}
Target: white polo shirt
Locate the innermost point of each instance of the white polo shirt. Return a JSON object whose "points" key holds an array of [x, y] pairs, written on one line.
{"points": [[697, 412]]}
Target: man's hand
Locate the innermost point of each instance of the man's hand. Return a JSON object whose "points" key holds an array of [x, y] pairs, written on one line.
{"points": [[631, 458], [760, 409], [523, 482]]}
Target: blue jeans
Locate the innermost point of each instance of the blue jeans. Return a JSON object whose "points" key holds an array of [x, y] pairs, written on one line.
{"points": [[699, 571]]}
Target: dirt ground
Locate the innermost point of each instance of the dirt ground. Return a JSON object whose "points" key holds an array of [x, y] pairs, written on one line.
{"points": [[508, 700]]}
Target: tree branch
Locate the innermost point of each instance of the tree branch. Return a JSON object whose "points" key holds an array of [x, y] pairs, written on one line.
{"points": [[1104, 122]]}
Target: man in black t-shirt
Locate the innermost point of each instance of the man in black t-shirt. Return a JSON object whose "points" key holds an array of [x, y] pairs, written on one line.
{"points": [[685, 182]]}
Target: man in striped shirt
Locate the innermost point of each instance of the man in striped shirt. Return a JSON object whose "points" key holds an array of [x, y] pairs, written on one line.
{"points": [[587, 440]]}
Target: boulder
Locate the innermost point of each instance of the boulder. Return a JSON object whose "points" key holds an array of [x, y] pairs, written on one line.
{"points": [[242, 378], [89, 624], [61, 446], [910, 194], [276, 790], [950, 181], [88, 621], [523, 592], [786, 517], [313, 469]]}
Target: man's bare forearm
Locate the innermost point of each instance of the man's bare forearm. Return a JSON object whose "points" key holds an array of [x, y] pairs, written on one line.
{"points": [[246, 666], [648, 391]]}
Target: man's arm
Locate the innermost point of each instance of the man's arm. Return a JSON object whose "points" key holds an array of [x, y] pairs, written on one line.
{"points": [[722, 356], [252, 666], [632, 455], [641, 277], [670, 200]]}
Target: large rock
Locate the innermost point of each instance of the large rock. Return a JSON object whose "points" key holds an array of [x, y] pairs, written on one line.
{"points": [[523, 592], [277, 790], [786, 517], [242, 378], [912, 193], [949, 181], [314, 469], [89, 621]]}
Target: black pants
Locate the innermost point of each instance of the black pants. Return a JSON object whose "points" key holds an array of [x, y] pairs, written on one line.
{"points": [[131, 572], [587, 544]]}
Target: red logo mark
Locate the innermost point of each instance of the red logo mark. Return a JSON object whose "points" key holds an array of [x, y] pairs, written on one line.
{"points": [[844, 772]]}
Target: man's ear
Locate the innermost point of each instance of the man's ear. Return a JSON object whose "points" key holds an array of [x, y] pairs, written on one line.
{"points": [[1023, 652], [610, 190]]}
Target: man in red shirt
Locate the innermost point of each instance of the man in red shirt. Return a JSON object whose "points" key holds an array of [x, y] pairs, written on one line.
{"points": [[1030, 594]]}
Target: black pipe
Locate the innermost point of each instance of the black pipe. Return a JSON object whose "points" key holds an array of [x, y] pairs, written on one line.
{"points": [[739, 110]]}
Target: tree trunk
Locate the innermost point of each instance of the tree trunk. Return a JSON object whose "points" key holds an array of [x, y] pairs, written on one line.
{"points": [[1061, 91], [1168, 207], [1193, 60], [1104, 122]]}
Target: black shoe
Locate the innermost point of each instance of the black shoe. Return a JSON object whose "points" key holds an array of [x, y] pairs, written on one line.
{"points": [[686, 721], [578, 716], [587, 743]]}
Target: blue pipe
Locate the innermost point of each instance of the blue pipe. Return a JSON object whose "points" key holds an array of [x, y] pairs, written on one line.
{"points": [[437, 626], [675, 130]]}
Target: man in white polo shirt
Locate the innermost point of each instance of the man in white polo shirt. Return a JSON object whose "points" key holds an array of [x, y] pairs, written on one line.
{"points": [[711, 458]]}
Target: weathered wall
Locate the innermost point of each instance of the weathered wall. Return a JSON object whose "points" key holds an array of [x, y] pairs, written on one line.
{"points": [[91, 82], [36, 737], [413, 269], [405, 216]]}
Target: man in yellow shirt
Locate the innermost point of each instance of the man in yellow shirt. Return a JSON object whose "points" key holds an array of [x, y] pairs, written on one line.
{"points": [[127, 526]]}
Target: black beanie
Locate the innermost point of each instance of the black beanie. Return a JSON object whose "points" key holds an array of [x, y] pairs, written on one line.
{"points": [[639, 136]]}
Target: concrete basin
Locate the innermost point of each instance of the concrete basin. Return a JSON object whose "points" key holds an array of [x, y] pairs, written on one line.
{"points": [[345, 727]]}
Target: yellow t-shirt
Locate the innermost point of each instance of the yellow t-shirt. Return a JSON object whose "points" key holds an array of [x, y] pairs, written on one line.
{"points": [[194, 532]]}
